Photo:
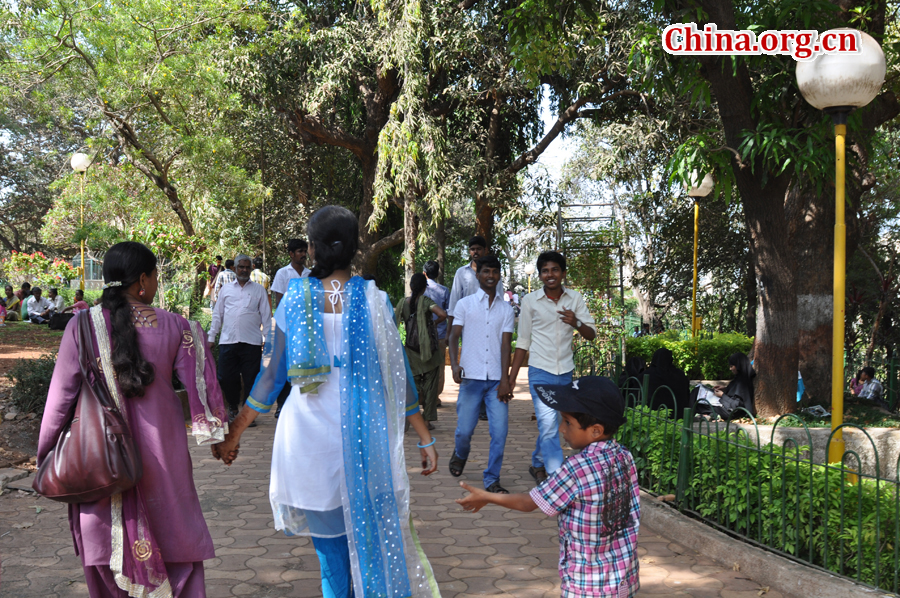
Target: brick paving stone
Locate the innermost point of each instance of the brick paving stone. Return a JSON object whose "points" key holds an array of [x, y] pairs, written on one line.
{"points": [[495, 552]]}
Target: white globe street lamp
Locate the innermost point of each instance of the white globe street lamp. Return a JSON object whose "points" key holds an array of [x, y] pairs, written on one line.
{"points": [[80, 163], [529, 270], [838, 84]]}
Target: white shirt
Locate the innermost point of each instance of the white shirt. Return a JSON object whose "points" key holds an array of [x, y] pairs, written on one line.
{"points": [[483, 325], [37, 307], [548, 338], [58, 304], [239, 314], [284, 276], [465, 283]]}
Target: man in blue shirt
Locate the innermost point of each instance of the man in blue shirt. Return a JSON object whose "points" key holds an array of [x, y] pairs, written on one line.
{"points": [[441, 296]]}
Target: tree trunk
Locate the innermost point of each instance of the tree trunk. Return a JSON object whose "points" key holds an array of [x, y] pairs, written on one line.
{"points": [[410, 232], [440, 239], [370, 245], [775, 350], [811, 225], [484, 211]]}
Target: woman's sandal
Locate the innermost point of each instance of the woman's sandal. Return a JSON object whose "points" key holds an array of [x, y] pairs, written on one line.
{"points": [[457, 465], [496, 488]]}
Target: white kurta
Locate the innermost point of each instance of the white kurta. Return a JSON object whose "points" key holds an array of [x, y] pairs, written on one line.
{"points": [[308, 456]]}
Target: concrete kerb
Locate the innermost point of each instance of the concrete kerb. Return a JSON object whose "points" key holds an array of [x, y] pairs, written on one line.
{"points": [[779, 573]]}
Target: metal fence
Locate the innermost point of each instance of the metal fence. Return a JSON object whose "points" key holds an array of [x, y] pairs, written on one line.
{"points": [[833, 517]]}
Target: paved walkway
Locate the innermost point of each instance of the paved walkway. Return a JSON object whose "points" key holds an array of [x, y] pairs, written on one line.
{"points": [[494, 552]]}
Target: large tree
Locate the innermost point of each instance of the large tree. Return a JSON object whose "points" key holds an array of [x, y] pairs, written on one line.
{"points": [[772, 141], [154, 76]]}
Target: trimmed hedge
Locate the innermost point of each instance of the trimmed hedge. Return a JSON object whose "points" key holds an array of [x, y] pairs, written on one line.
{"points": [[705, 359], [773, 495]]}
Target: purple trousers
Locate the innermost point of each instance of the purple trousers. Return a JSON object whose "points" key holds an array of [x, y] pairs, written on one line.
{"points": [[187, 581]]}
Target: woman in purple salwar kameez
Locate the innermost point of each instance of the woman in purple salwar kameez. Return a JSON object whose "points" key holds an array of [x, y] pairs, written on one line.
{"points": [[150, 541]]}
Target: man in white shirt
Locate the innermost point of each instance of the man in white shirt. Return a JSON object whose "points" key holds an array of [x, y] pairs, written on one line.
{"points": [[549, 318], [297, 249], [56, 301], [465, 281], [243, 316], [39, 308], [482, 370], [222, 278]]}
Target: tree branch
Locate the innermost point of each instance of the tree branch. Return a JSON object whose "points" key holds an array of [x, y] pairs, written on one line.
{"points": [[311, 129], [395, 238]]}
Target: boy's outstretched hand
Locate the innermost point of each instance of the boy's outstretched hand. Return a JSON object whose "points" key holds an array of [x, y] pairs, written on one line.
{"points": [[475, 500]]}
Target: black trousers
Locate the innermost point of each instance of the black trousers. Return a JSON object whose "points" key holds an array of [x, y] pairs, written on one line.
{"points": [[238, 363]]}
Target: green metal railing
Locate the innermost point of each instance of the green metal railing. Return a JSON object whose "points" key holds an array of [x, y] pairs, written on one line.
{"points": [[833, 517]]}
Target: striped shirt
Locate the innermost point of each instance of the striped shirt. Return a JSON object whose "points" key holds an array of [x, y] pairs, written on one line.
{"points": [[596, 498]]}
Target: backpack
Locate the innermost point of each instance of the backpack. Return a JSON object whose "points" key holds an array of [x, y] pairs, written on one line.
{"points": [[412, 332]]}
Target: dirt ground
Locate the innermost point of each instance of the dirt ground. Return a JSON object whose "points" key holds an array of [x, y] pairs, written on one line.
{"points": [[19, 340]]}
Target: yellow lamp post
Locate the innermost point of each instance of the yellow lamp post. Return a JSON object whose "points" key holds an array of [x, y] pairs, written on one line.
{"points": [[838, 84], [697, 191], [80, 163], [529, 270]]}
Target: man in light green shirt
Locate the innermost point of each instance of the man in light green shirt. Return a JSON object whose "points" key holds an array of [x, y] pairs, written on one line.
{"points": [[549, 319]]}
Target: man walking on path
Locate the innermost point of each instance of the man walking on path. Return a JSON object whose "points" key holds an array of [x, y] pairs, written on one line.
{"points": [[549, 318], [465, 283], [297, 249], [482, 370], [441, 296], [260, 277], [224, 277], [242, 310]]}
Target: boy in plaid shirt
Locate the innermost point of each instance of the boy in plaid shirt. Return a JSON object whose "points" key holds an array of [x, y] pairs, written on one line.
{"points": [[594, 494]]}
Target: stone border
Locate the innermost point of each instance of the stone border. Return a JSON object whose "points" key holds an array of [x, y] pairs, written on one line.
{"points": [[781, 574]]}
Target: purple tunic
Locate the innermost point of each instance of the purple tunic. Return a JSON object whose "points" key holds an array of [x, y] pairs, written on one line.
{"points": [[157, 422]]}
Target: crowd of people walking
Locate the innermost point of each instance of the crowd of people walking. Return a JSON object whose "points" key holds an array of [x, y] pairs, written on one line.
{"points": [[332, 364]]}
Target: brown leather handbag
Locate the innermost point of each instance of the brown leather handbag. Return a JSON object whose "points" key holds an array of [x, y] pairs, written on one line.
{"points": [[95, 455]]}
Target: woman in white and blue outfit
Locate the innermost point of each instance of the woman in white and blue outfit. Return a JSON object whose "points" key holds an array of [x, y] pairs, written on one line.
{"points": [[338, 464]]}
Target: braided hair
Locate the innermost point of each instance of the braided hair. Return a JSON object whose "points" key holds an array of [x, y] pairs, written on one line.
{"points": [[124, 263]]}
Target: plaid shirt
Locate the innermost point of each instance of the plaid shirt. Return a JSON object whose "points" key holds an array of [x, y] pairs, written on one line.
{"points": [[595, 494]]}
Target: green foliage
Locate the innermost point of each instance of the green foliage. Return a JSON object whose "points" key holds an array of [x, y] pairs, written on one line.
{"points": [[31, 382], [38, 269], [773, 495], [705, 359]]}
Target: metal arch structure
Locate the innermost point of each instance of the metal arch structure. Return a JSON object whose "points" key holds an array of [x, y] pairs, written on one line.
{"points": [[575, 222], [570, 236]]}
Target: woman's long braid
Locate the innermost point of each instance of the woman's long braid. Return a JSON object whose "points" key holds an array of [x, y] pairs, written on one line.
{"points": [[133, 372]]}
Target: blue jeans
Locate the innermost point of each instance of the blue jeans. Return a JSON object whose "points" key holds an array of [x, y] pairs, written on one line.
{"points": [[473, 394], [547, 451]]}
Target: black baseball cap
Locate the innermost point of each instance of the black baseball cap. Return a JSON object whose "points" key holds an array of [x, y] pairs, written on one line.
{"points": [[594, 395]]}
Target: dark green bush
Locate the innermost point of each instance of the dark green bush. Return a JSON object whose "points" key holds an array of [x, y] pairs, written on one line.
{"points": [[31, 382], [705, 359]]}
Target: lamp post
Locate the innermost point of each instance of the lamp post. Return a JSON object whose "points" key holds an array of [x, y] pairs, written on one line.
{"points": [[697, 191], [80, 163], [529, 270], [838, 84]]}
